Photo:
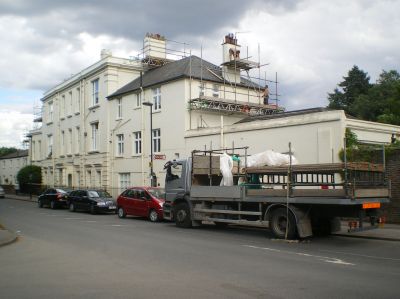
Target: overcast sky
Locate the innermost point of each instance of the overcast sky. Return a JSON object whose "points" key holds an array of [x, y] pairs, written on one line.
{"points": [[311, 44]]}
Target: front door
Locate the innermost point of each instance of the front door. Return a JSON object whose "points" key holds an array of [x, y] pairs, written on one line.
{"points": [[141, 203]]}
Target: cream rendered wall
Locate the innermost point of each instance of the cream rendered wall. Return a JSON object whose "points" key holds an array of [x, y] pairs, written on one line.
{"points": [[304, 133], [72, 167], [9, 169], [372, 131]]}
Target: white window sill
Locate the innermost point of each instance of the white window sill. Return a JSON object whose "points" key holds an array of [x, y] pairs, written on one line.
{"points": [[49, 123], [77, 113], [93, 152], [119, 157], [62, 156], [69, 155], [69, 116], [137, 108], [94, 107], [62, 118], [118, 118], [136, 155], [157, 111]]}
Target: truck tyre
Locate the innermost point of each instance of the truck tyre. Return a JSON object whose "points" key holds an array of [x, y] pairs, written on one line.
{"points": [[278, 222], [182, 215]]}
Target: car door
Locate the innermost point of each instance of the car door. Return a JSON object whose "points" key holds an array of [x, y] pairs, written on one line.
{"points": [[141, 203], [49, 194], [85, 200], [129, 200]]}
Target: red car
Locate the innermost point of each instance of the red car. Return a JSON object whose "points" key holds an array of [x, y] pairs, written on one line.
{"points": [[142, 201]]}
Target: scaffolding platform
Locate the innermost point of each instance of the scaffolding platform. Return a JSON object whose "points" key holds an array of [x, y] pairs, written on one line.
{"points": [[243, 64], [239, 107]]}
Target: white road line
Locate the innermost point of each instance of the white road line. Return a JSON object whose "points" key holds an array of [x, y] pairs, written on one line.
{"points": [[74, 218], [363, 255], [90, 221], [326, 259], [117, 225]]}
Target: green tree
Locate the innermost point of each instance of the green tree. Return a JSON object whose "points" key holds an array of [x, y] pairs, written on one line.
{"points": [[355, 84], [7, 150], [30, 178]]}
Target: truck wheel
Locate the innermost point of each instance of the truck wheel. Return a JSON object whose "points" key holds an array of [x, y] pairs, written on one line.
{"points": [[182, 215], [278, 222]]}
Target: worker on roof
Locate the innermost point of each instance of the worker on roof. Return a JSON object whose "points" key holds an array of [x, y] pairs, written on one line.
{"points": [[265, 95]]}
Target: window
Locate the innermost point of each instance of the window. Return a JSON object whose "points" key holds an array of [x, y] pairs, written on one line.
{"points": [[62, 108], [95, 132], [70, 103], [77, 139], [89, 178], [120, 144], [119, 108], [33, 151], [50, 111], [78, 178], [138, 100], [156, 99], [124, 181], [98, 178], [39, 151], [95, 92], [62, 143], [215, 90], [69, 149], [202, 88], [78, 100], [137, 143], [156, 140]]}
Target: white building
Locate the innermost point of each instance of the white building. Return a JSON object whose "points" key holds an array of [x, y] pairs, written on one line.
{"points": [[73, 144], [10, 165], [88, 140]]}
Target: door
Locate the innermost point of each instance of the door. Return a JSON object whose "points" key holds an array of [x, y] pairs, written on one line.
{"points": [[174, 180], [139, 202], [129, 202], [70, 180]]}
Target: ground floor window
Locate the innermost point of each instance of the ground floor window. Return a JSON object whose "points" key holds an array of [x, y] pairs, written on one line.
{"points": [[124, 181]]}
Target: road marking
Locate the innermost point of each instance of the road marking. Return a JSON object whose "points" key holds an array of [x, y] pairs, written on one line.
{"points": [[74, 218], [363, 255], [117, 225], [326, 259], [90, 221]]}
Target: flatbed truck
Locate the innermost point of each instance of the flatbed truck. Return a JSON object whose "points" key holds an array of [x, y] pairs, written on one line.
{"points": [[293, 201]]}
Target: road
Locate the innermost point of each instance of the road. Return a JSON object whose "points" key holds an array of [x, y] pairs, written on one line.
{"points": [[61, 254]]}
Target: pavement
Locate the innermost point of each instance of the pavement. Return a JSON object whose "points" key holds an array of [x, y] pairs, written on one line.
{"points": [[387, 232]]}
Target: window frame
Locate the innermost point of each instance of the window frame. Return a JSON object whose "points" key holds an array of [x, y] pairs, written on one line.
{"points": [[95, 92], [137, 143], [120, 145], [156, 140], [156, 99]]}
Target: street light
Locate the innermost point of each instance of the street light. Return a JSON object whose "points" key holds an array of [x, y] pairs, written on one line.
{"points": [[152, 176]]}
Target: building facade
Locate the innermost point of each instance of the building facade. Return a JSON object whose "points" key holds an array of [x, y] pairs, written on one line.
{"points": [[101, 126], [10, 165]]}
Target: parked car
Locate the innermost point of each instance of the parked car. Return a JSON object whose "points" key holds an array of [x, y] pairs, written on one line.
{"points": [[142, 201], [53, 198], [2, 194], [93, 201]]}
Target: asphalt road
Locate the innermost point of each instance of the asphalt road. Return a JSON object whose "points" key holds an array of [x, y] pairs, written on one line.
{"points": [[77, 255]]}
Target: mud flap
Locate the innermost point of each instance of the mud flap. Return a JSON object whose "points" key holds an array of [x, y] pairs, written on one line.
{"points": [[303, 222]]}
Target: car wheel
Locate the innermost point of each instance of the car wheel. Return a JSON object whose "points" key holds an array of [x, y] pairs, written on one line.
{"points": [[40, 203], [153, 216], [182, 215], [52, 205], [121, 212], [280, 222], [72, 207], [92, 210]]}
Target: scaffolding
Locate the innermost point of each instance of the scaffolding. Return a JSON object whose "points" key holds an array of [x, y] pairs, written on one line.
{"points": [[225, 99]]}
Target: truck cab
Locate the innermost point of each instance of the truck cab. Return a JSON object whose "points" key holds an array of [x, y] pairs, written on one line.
{"points": [[177, 184]]}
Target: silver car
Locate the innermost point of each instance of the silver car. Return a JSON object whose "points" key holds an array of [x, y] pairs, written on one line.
{"points": [[2, 194]]}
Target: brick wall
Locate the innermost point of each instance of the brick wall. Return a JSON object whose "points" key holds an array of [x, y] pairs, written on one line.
{"points": [[392, 212]]}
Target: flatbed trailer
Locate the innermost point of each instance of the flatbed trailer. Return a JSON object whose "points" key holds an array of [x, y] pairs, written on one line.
{"points": [[294, 200]]}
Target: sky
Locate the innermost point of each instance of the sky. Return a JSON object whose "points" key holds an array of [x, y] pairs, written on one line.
{"points": [[310, 44]]}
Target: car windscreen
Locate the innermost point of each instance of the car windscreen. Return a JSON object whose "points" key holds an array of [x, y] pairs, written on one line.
{"points": [[158, 193], [61, 191], [98, 194]]}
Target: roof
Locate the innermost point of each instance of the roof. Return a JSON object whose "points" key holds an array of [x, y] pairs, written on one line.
{"points": [[187, 67], [17, 154], [284, 114]]}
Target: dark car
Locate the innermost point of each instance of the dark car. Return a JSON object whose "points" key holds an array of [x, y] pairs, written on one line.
{"points": [[142, 201], [53, 198], [91, 200]]}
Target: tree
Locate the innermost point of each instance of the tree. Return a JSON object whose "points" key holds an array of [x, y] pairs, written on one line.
{"points": [[7, 150], [30, 178], [354, 85]]}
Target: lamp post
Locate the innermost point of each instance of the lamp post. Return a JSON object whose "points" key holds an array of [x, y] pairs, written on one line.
{"points": [[150, 104]]}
